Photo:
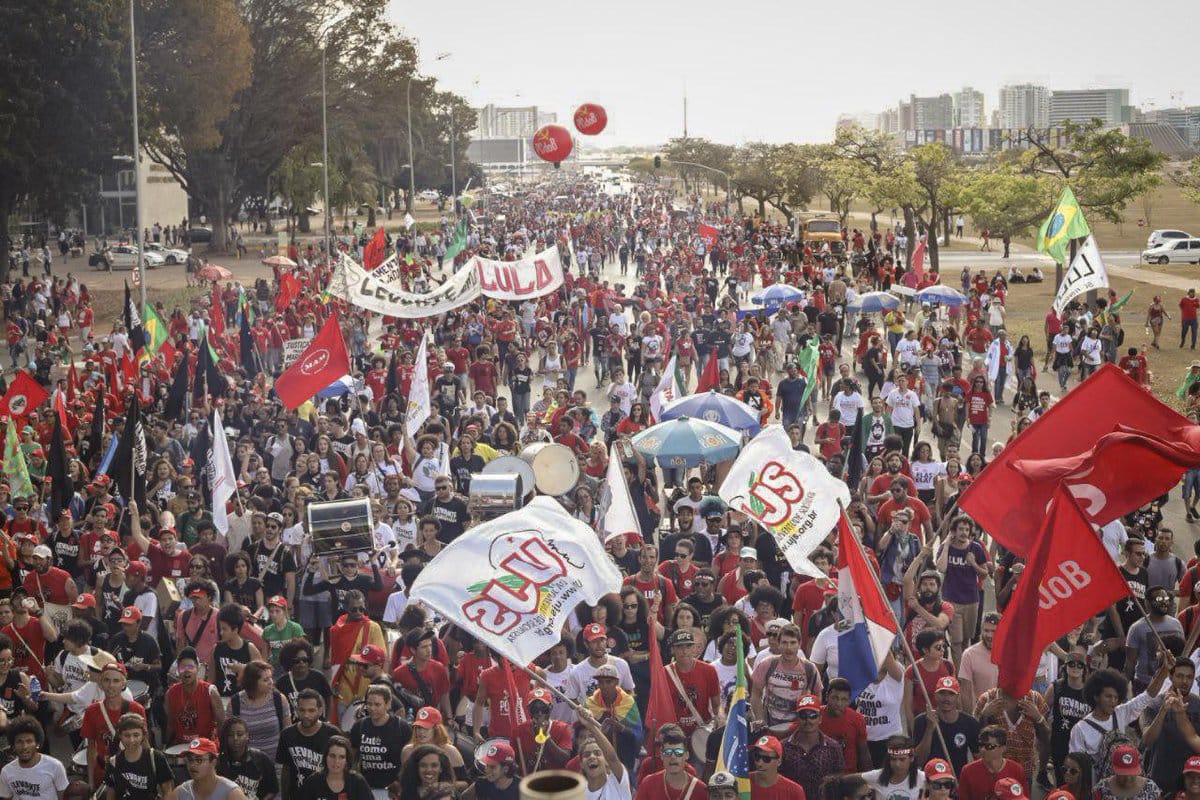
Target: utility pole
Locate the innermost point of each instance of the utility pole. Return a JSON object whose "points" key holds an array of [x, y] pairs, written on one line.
{"points": [[137, 155]]}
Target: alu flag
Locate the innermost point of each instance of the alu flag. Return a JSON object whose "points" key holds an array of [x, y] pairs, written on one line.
{"points": [[788, 492], [224, 478], [1087, 273], [513, 581], [618, 516], [669, 388], [419, 405]]}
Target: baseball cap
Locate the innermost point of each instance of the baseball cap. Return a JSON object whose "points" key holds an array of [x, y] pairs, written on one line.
{"points": [[41, 551], [594, 631], [747, 552], [369, 654], [427, 717], [722, 780], [540, 695], [85, 600], [1126, 760], [1192, 764], [278, 600], [808, 702], [201, 747], [114, 666], [714, 513], [937, 769], [137, 568], [776, 624], [498, 753], [947, 684], [606, 671], [1009, 787], [1062, 794], [682, 637], [770, 744], [198, 592], [131, 614]]}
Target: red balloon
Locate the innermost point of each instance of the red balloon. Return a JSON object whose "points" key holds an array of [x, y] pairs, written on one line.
{"points": [[590, 119], [553, 143]]}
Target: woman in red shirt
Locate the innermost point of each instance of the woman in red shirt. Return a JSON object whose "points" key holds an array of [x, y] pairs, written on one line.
{"points": [[638, 420], [979, 413]]}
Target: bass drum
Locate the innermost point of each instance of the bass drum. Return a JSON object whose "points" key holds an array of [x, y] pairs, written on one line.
{"points": [[516, 465], [555, 467], [352, 714]]}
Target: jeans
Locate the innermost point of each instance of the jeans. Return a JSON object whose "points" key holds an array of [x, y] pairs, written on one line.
{"points": [[1001, 379], [1064, 373], [1191, 484], [791, 416], [906, 437], [979, 434], [569, 374], [520, 405], [1185, 326]]}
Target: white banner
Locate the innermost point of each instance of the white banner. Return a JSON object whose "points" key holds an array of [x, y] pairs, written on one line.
{"points": [[380, 290], [419, 407], [513, 581], [618, 516], [788, 492], [1086, 273], [224, 480], [292, 349], [533, 276]]}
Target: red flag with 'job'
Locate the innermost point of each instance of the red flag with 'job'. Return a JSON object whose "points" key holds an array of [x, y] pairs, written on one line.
{"points": [[322, 362]]}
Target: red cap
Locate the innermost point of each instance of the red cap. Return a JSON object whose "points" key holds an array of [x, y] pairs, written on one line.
{"points": [[198, 593], [937, 769], [808, 702], [1009, 787], [947, 684], [131, 614], [769, 744], [498, 753], [278, 600], [137, 568], [1126, 760], [594, 631], [539, 695], [114, 666], [1060, 794], [370, 654], [85, 600], [427, 717], [200, 747], [1192, 764]]}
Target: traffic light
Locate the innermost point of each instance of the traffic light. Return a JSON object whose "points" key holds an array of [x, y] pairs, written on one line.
{"points": [[658, 162]]}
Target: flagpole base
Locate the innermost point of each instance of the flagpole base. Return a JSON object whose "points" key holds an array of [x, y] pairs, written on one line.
{"points": [[553, 784]]}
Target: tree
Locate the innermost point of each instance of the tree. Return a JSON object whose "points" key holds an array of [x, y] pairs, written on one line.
{"points": [[698, 151], [298, 183], [63, 102], [937, 173], [1007, 202], [1189, 180]]}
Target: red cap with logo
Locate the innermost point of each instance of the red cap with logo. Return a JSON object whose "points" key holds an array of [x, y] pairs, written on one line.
{"points": [[1009, 788], [947, 684], [370, 654], [1126, 760], [938, 768], [769, 744], [498, 753], [808, 702], [427, 717], [1192, 764], [85, 600], [201, 747], [131, 614], [539, 695], [594, 631]]}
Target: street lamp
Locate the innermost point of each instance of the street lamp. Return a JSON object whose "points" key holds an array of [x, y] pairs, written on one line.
{"points": [[728, 181], [137, 147], [412, 172], [324, 37]]}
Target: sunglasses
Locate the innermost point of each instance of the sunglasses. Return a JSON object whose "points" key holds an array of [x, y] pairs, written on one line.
{"points": [[990, 746], [677, 752], [766, 757], [808, 715], [630, 605], [946, 785]]}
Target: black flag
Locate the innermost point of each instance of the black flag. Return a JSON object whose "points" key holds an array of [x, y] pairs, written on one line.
{"points": [[853, 470], [91, 446], [249, 360], [201, 455], [209, 379], [133, 323], [129, 463], [392, 387], [177, 395], [62, 488]]}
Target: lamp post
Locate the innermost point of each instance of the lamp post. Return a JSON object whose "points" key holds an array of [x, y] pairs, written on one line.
{"points": [[325, 148], [137, 149], [412, 170], [728, 181]]}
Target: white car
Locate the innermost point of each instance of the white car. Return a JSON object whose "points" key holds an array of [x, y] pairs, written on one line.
{"points": [[1161, 237], [1174, 251], [170, 255], [124, 256]]}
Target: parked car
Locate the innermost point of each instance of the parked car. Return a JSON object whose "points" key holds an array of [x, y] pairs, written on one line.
{"points": [[199, 235], [124, 256], [1177, 251], [171, 255], [1165, 235]]}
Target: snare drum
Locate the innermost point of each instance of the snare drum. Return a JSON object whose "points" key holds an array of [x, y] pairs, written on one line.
{"points": [[555, 467], [176, 754], [140, 691], [516, 465], [352, 714], [79, 760]]}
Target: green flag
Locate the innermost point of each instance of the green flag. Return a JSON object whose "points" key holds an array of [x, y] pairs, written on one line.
{"points": [[458, 242], [809, 357], [14, 464], [1191, 377], [156, 331], [1065, 223]]}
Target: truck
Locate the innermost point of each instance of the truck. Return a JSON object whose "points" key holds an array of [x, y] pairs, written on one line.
{"points": [[817, 231]]}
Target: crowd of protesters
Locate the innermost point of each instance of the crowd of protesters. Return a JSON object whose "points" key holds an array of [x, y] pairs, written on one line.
{"points": [[145, 652]]}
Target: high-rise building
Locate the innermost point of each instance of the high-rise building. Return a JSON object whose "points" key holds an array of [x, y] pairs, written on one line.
{"points": [[889, 121], [1024, 105], [1111, 106], [860, 119], [506, 122], [1186, 121], [968, 109], [926, 113]]}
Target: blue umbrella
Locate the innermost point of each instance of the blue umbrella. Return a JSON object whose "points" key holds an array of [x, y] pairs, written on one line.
{"points": [[715, 407], [945, 295], [874, 301], [686, 442], [776, 296]]}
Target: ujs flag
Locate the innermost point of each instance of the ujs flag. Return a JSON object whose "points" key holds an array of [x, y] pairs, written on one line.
{"points": [[734, 756], [864, 643]]}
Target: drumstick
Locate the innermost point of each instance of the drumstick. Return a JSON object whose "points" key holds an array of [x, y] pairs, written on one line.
{"points": [[554, 689]]}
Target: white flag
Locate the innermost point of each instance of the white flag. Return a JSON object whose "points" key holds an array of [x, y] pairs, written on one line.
{"points": [[513, 581], [619, 515], [668, 389], [224, 479], [788, 492], [1086, 273], [419, 407], [409, 221]]}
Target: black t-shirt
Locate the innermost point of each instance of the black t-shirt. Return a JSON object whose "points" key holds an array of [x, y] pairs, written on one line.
{"points": [[462, 469], [453, 516], [142, 650], [138, 780], [446, 393], [254, 773], [224, 657], [705, 608], [303, 755], [315, 788], [315, 679], [720, 343], [379, 749], [962, 737], [519, 380], [486, 790], [246, 593], [271, 565]]}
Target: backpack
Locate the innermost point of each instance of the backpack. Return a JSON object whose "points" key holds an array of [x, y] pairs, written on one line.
{"points": [[1109, 740]]}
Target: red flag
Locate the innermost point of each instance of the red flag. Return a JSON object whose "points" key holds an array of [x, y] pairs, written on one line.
{"points": [[168, 353], [709, 234], [711, 377], [660, 710], [129, 371], [216, 314], [60, 408], [24, 395], [1068, 578], [375, 250], [322, 362], [289, 290], [918, 258], [1071, 427], [72, 383]]}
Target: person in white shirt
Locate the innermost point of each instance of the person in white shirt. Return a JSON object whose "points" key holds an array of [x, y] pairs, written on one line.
{"points": [[582, 682], [849, 402], [1090, 353], [32, 775], [1106, 690], [905, 407]]}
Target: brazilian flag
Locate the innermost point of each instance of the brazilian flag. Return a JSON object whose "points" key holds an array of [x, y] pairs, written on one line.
{"points": [[1065, 223], [156, 330]]}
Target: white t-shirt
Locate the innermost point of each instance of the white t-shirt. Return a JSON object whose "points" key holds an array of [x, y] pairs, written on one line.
{"points": [[560, 710], [924, 474], [908, 351], [726, 679], [849, 405], [895, 791], [626, 392], [879, 704], [903, 404], [612, 789], [582, 681], [1089, 350], [824, 651], [45, 780], [1062, 342]]}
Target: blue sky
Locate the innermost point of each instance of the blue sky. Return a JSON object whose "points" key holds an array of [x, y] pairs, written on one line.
{"points": [[784, 71]]}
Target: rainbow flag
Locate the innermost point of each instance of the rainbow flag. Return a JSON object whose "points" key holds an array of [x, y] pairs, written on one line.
{"points": [[623, 709]]}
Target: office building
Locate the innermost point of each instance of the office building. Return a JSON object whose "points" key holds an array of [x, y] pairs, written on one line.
{"points": [[1110, 106], [968, 108], [1185, 121], [1024, 105], [506, 122], [926, 113]]}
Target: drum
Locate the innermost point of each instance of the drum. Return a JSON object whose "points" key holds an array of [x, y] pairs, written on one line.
{"points": [[176, 754], [513, 464], [80, 758], [140, 691], [495, 494], [352, 714], [555, 467], [341, 526], [483, 749], [700, 738]]}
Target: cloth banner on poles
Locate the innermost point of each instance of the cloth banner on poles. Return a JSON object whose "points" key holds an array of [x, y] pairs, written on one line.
{"points": [[1086, 274], [419, 405], [788, 492], [513, 581], [381, 291], [531, 277]]}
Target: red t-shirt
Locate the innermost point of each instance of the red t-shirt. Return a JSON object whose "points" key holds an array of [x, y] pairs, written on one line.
{"points": [[808, 600], [680, 577], [930, 680], [884, 482], [977, 782], [24, 639], [560, 733], [495, 686], [469, 669], [49, 588], [1188, 306], [435, 676], [192, 714], [917, 623], [483, 373], [977, 406], [914, 504], [654, 787], [701, 685], [979, 339], [96, 730], [781, 789], [848, 730]]}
